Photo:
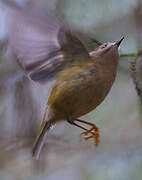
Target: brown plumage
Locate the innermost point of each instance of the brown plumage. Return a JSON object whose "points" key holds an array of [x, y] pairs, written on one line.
{"points": [[45, 49]]}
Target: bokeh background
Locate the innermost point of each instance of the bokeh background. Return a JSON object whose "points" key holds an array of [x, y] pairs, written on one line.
{"points": [[119, 117]]}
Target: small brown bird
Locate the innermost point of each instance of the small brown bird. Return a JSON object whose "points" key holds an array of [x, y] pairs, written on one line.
{"points": [[45, 48]]}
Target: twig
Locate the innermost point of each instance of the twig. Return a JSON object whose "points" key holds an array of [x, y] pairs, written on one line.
{"points": [[139, 53]]}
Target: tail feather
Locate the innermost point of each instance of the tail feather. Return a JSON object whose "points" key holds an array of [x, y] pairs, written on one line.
{"points": [[40, 140]]}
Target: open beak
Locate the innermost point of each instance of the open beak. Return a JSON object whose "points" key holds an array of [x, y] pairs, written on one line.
{"points": [[119, 42]]}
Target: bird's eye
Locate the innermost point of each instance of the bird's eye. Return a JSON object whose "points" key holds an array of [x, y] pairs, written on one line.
{"points": [[103, 46]]}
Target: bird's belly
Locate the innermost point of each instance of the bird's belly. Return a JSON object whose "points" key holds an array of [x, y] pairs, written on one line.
{"points": [[86, 102], [80, 100]]}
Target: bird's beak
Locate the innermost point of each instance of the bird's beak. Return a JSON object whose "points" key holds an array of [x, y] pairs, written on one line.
{"points": [[119, 42]]}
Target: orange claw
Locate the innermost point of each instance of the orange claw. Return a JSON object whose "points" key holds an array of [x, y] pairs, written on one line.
{"points": [[92, 133]]}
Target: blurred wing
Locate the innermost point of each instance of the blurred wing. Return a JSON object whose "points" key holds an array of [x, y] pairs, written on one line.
{"points": [[42, 44]]}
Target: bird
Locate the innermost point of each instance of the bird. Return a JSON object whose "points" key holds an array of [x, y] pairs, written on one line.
{"points": [[47, 49]]}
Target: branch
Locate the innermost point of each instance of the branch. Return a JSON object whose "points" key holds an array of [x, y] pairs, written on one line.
{"points": [[136, 70], [138, 53]]}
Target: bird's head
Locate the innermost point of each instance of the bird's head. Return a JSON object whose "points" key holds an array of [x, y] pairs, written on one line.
{"points": [[109, 49]]}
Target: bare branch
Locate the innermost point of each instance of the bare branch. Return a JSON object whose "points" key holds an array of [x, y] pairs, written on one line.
{"points": [[138, 53]]}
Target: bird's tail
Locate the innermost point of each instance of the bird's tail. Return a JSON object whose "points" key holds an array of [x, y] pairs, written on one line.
{"points": [[41, 138]]}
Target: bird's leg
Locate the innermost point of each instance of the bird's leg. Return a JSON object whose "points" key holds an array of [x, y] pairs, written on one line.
{"points": [[93, 132]]}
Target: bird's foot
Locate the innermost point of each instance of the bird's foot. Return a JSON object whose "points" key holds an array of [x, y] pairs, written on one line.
{"points": [[92, 133]]}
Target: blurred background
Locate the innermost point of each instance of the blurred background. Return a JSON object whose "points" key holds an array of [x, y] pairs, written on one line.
{"points": [[119, 117]]}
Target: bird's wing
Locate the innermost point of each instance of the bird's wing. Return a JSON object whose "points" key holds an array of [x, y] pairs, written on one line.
{"points": [[42, 44]]}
